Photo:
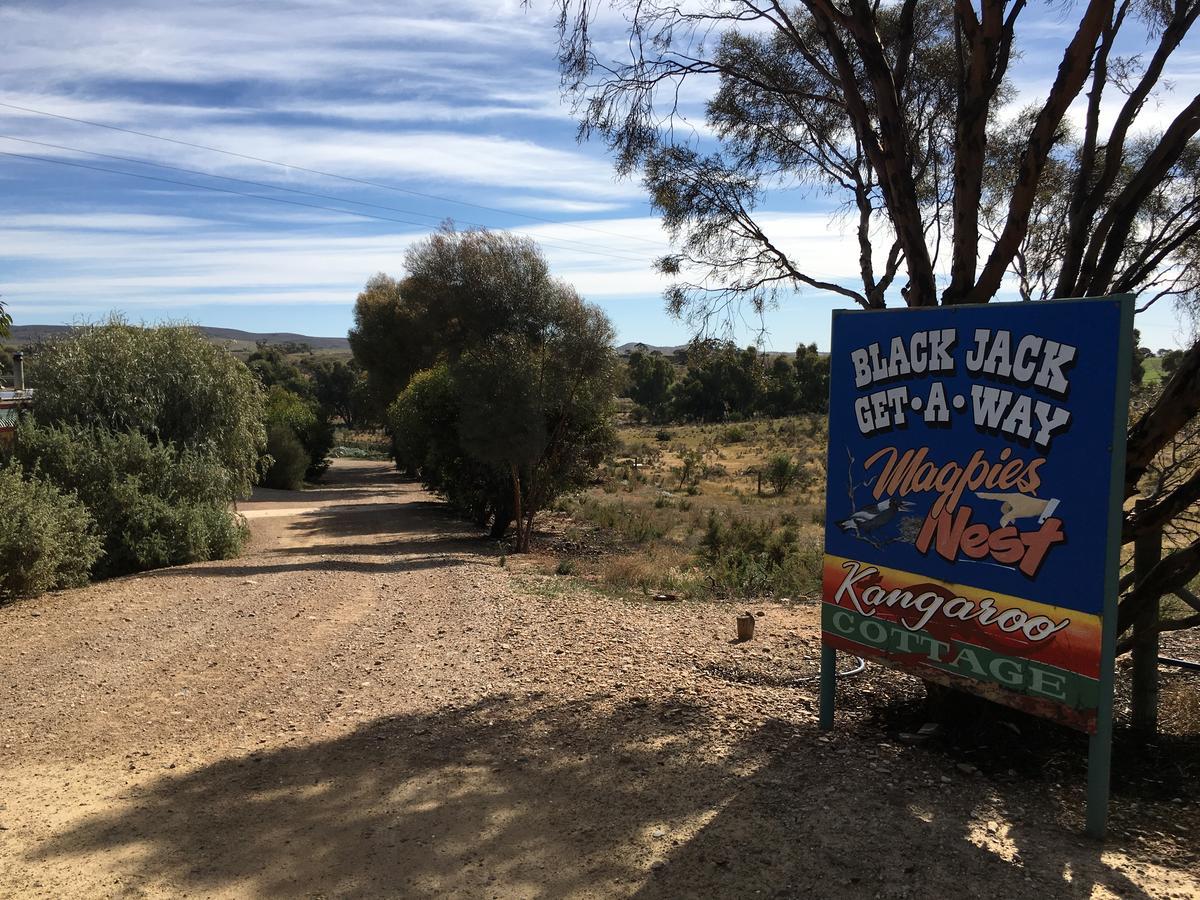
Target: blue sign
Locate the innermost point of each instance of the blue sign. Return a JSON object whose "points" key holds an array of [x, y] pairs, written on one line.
{"points": [[970, 494]]}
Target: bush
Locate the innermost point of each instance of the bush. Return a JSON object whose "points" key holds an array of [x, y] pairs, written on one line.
{"points": [[309, 426], [169, 384], [154, 504], [634, 525], [782, 472], [289, 459], [46, 537], [744, 558], [734, 434]]}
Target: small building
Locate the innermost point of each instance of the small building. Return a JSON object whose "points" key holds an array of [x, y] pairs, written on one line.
{"points": [[13, 401]]}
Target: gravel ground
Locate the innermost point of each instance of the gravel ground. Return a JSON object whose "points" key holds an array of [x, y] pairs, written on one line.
{"points": [[369, 704]]}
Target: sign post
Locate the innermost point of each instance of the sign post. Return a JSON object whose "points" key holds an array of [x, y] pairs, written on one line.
{"points": [[973, 505]]}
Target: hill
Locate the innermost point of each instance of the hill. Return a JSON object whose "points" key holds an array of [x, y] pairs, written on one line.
{"points": [[233, 337]]}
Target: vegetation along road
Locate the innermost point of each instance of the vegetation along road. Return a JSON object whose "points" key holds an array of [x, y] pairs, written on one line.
{"points": [[372, 702]]}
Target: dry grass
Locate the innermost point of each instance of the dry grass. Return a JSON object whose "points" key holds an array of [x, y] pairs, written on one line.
{"points": [[658, 491], [663, 567]]}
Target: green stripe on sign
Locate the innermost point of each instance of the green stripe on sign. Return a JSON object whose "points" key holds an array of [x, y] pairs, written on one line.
{"points": [[918, 648]]}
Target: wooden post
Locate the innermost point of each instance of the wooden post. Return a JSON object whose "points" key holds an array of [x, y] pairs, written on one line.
{"points": [[1147, 551]]}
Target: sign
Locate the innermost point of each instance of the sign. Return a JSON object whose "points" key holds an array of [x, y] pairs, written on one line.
{"points": [[973, 504]]}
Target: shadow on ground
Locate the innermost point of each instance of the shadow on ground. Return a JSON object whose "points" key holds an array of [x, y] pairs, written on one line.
{"points": [[511, 797]]}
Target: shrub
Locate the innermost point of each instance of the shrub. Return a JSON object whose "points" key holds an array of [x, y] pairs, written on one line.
{"points": [[46, 536], [309, 426], [662, 435], [289, 459], [782, 472], [169, 384], [154, 504], [657, 569], [744, 558], [632, 572], [690, 466], [734, 434], [635, 525], [565, 567]]}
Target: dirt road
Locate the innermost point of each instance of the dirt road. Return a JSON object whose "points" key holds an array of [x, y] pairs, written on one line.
{"points": [[368, 704]]}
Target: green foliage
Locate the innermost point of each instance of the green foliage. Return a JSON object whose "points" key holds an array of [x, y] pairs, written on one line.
{"points": [[744, 558], [289, 459], [650, 379], [1170, 362], [272, 367], [168, 384], [310, 429], [287, 408], [424, 424], [723, 383], [5, 320], [516, 412], [782, 472], [459, 290], [734, 434], [691, 465], [47, 539], [1137, 364], [342, 391], [154, 504]]}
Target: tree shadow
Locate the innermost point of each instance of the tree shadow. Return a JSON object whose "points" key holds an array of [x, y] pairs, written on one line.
{"points": [[416, 805], [597, 797], [410, 562], [401, 554], [379, 520], [795, 829]]}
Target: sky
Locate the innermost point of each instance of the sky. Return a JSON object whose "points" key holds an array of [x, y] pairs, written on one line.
{"points": [[426, 111]]}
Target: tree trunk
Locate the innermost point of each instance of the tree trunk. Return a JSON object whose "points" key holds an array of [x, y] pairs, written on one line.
{"points": [[1168, 576], [527, 531], [1175, 407], [1072, 73], [516, 486], [500, 524]]}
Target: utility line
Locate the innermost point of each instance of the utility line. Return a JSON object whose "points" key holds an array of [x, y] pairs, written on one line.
{"points": [[209, 187], [554, 242], [362, 181]]}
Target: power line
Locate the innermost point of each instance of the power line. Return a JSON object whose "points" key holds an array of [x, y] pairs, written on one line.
{"points": [[295, 168], [557, 243], [209, 187]]}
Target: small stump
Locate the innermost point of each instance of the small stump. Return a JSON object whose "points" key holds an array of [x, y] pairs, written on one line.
{"points": [[745, 626]]}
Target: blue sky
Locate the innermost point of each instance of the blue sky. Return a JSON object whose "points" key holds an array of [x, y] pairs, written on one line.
{"points": [[458, 99]]}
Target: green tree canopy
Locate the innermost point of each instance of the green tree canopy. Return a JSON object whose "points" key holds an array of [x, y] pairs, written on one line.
{"points": [[650, 379], [459, 289], [517, 409]]}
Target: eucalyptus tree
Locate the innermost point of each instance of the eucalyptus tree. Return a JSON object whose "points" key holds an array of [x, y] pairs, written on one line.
{"points": [[512, 402], [900, 115]]}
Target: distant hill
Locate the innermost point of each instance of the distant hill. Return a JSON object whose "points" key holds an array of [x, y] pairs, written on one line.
{"points": [[626, 349], [238, 340]]}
